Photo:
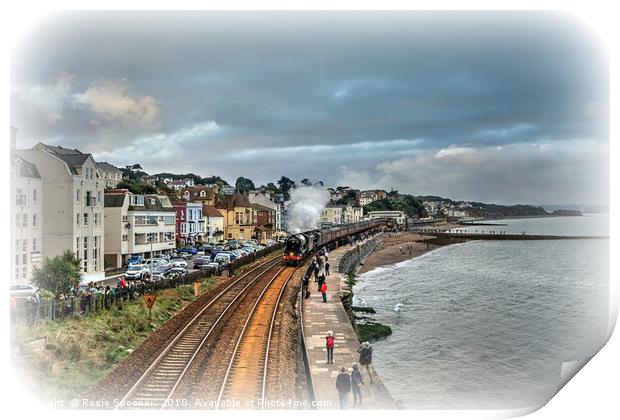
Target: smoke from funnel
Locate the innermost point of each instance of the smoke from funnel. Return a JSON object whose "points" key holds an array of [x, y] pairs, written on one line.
{"points": [[304, 212]]}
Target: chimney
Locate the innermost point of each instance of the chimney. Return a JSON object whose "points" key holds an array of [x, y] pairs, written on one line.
{"points": [[13, 138]]}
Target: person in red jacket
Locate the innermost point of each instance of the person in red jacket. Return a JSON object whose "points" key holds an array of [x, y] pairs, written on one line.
{"points": [[324, 292], [329, 344]]}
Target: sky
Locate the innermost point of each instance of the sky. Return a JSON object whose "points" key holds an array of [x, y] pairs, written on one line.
{"points": [[502, 107]]}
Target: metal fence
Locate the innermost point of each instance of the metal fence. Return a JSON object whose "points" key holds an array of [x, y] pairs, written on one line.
{"points": [[29, 312]]}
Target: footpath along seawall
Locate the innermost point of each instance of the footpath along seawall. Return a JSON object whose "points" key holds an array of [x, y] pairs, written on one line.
{"points": [[319, 317]]}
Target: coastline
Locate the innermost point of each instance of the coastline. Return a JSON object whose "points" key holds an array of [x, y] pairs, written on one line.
{"points": [[413, 245]]}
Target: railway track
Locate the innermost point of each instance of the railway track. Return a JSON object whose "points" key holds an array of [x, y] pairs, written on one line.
{"points": [[161, 379], [245, 379]]}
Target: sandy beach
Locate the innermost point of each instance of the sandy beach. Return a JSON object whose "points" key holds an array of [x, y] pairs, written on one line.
{"points": [[398, 247]]}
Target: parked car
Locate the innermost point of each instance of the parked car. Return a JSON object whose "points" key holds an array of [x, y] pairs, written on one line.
{"points": [[174, 272], [22, 290], [189, 250], [137, 272], [135, 259], [230, 254], [184, 255], [179, 263], [200, 261], [223, 259], [159, 272]]}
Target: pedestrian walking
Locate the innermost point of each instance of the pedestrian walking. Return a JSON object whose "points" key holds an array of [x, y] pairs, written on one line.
{"points": [[365, 351], [327, 268], [356, 383], [329, 345], [324, 292], [343, 385]]}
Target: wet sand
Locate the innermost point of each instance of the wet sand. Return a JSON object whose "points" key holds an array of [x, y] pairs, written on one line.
{"points": [[389, 252]]}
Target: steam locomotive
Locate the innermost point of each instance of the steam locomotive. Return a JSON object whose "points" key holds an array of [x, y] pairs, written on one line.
{"points": [[299, 246]]}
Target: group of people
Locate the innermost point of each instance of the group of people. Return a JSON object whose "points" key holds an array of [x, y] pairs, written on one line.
{"points": [[408, 248], [345, 382], [319, 268]]}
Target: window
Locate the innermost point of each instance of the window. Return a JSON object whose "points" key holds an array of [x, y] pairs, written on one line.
{"points": [[169, 220], [34, 195], [136, 200], [20, 198], [24, 271], [77, 196], [17, 220], [125, 237], [25, 220], [85, 251], [98, 198], [125, 218], [183, 228], [85, 266], [168, 236], [77, 219], [34, 220], [25, 245], [85, 220], [96, 219], [24, 260], [95, 264], [203, 193], [34, 244]]}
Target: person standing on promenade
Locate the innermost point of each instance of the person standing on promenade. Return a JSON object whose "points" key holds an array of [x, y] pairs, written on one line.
{"points": [[321, 281], [365, 351], [327, 268], [324, 292], [343, 385], [329, 345], [356, 383]]}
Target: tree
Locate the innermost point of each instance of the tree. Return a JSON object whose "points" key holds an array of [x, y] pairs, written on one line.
{"points": [[285, 185], [57, 274], [137, 187], [306, 182], [244, 184]]}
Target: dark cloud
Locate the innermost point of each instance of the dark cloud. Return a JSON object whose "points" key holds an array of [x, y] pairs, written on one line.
{"points": [[303, 94]]}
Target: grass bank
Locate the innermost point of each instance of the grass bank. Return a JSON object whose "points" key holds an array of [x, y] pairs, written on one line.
{"points": [[80, 351]]}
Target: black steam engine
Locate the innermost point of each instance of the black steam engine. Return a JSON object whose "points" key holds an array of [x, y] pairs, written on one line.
{"points": [[299, 246]]}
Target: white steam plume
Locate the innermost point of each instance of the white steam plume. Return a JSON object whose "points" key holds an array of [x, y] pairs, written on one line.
{"points": [[304, 212]]}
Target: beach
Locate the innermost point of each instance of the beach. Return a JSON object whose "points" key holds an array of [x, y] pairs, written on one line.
{"points": [[412, 245]]}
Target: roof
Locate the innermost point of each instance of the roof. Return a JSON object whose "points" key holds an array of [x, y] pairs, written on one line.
{"points": [[210, 211], [241, 200], [24, 168], [155, 205], [232, 201], [114, 200], [72, 157], [261, 207], [106, 167], [195, 192]]}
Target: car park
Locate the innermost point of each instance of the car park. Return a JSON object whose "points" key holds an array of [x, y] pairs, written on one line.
{"points": [[137, 272], [22, 290]]}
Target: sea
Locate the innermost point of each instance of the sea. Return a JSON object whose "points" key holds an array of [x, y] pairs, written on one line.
{"points": [[488, 324]]}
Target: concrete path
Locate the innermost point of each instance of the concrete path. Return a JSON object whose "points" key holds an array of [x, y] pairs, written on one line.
{"points": [[321, 317]]}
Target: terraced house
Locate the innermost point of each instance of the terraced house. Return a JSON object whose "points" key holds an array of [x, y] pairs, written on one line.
{"points": [[26, 220], [141, 225], [238, 216], [72, 190]]}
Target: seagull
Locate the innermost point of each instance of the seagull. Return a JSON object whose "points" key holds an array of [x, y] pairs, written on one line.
{"points": [[397, 307]]}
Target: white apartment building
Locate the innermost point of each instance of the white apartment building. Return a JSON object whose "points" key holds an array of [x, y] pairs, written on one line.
{"points": [[333, 214], [367, 197], [111, 174], [141, 225], [74, 209], [26, 219], [213, 224], [396, 215]]}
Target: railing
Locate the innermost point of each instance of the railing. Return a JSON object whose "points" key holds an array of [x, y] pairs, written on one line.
{"points": [[250, 258], [29, 312]]}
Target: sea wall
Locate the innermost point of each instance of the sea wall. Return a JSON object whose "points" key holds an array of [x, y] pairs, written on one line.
{"points": [[349, 261]]}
